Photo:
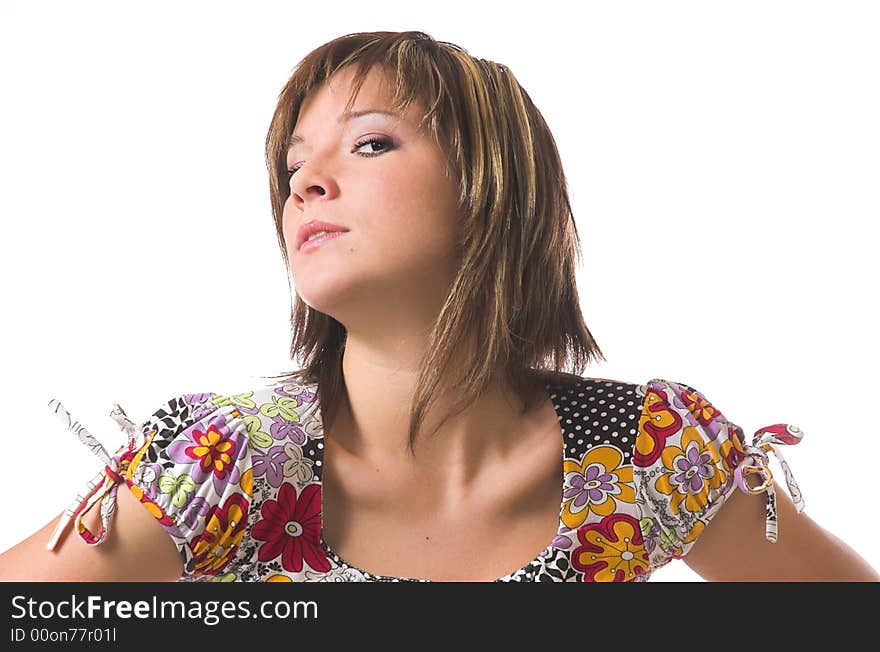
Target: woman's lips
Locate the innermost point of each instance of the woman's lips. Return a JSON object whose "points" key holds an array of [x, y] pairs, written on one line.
{"points": [[314, 243]]}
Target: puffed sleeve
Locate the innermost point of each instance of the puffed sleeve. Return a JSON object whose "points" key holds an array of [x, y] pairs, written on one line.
{"points": [[688, 458], [189, 464]]}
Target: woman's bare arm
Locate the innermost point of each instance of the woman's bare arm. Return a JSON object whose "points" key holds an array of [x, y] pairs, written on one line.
{"points": [[733, 548], [137, 549]]}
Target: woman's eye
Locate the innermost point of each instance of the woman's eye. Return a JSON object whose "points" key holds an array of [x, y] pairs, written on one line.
{"points": [[385, 143], [373, 141]]}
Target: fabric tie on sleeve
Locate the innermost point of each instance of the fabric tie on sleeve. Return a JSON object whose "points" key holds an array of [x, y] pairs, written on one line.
{"points": [[104, 485], [757, 462]]}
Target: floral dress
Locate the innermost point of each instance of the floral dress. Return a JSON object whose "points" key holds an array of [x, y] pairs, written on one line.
{"points": [[235, 481]]}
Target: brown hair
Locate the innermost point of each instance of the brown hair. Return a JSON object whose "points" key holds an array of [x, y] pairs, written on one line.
{"points": [[517, 240]]}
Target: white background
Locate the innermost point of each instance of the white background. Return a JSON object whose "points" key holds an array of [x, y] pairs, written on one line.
{"points": [[722, 166]]}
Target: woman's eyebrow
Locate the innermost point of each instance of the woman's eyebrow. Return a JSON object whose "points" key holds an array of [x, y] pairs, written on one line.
{"points": [[345, 117]]}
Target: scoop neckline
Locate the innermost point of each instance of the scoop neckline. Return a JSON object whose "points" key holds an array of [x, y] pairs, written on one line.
{"points": [[550, 391]]}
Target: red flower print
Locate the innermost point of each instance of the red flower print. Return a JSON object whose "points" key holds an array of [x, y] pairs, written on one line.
{"points": [[657, 423], [212, 450], [733, 449], [224, 529], [697, 405], [612, 550], [291, 527]]}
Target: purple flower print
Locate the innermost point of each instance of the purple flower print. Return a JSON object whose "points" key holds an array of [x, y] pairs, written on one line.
{"points": [[585, 488], [197, 398], [694, 466], [201, 405], [561, 541], [271, 465], [197, 507], [281, 428], [201, 411]]}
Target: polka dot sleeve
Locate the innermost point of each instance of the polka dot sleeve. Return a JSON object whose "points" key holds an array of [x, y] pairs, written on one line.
{"points": [[188, 464], [688, 458]]}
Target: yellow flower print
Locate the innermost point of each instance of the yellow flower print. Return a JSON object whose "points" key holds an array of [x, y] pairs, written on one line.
{"points": [[212, 450], [695, 532], [224, 530], [732, 451], [278, 578], [697, 405], [247, 482], [595, 485], [152, 507], [611, 550], [690, 473], [658, 422]]}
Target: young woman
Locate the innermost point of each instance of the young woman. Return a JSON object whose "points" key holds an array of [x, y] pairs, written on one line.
{"points": [[431, 433]]}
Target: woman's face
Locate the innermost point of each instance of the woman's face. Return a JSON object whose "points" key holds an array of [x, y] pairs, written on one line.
{"points": [[398, 257]]}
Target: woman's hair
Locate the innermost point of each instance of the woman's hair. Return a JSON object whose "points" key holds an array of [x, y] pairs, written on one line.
{"points": [[513, 303]]}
